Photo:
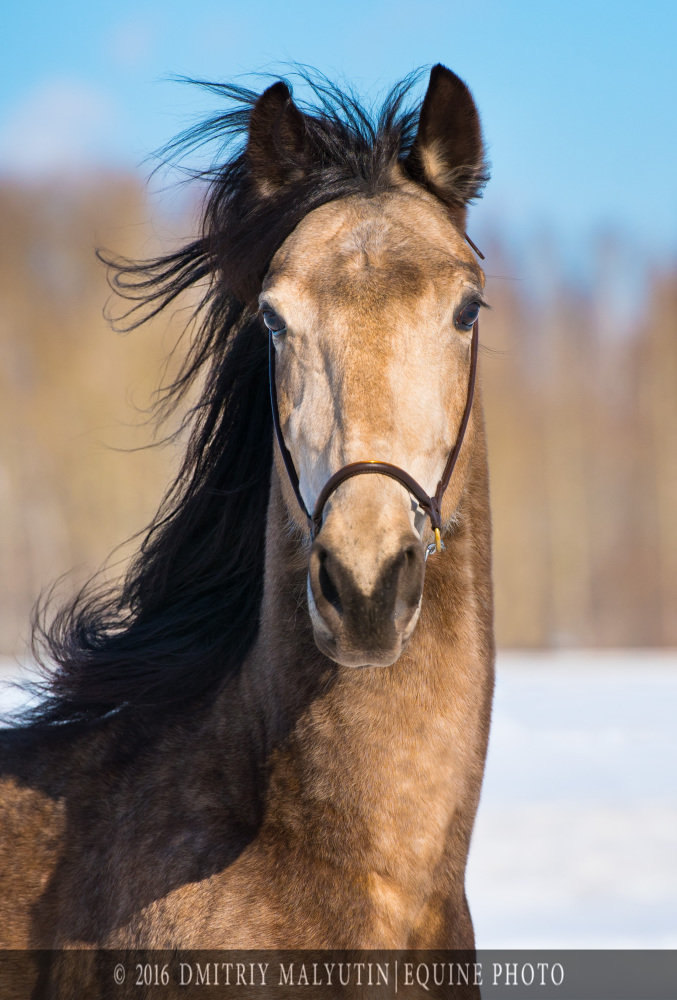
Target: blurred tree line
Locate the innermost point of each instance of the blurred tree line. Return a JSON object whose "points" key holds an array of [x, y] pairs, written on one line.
{"points": [[582, 423]]}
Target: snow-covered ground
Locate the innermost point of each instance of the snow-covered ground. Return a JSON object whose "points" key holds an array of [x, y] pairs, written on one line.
{"points": [[576, 838]]}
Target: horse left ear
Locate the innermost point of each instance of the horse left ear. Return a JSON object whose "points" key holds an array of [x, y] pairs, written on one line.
{"points": [[276, 144], [448, 153]]}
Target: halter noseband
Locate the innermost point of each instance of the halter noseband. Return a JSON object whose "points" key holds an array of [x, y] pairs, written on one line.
{"points": [[430, 504]]}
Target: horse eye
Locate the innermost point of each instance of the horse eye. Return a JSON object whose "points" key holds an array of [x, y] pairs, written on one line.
{"points": [[273, 321], [467, 316]]}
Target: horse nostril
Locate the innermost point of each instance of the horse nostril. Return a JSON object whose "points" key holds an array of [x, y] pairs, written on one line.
{"points": [[409, 576], [328, 588], [411, 556]]}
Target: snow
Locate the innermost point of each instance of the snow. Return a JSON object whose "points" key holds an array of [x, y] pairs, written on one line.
{"points": [[576, 838]]}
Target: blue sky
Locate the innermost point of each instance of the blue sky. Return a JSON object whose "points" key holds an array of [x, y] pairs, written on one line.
{"points": [[577, 98]]}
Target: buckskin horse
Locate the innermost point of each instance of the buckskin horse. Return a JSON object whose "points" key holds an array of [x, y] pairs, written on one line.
{"points": [[272, 732]]}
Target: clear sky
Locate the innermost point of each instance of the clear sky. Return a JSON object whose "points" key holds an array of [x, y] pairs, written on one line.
{"points": [[577, 98]]}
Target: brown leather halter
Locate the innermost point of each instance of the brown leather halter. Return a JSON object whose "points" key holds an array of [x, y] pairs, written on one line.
{"points": [[430, 504]]}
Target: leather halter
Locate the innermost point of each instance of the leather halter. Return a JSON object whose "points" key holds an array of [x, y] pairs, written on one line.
{"points": [[430, 504]]}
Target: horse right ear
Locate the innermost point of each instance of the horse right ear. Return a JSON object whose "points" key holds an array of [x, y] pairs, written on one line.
{"points": [[447, 156], [276, 144]]}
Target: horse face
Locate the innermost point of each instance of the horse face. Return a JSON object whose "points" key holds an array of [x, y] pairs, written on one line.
{"points": [[369, 300]]}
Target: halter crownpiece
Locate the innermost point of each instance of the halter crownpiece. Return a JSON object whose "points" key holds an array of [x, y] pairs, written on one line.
{"points": [[430, 504]]}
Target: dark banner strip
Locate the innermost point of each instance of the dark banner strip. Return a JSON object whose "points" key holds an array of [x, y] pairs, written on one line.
{"points": [[321, 975]]}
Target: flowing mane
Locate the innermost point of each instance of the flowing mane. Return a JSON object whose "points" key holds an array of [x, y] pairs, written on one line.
{"points": [[187, 611]]}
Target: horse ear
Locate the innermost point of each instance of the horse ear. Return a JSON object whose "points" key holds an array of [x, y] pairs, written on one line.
{"points": [[448, 153], [276, 144]]}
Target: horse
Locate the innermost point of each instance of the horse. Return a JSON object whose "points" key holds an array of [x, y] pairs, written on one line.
{"points": [[272, 732]]}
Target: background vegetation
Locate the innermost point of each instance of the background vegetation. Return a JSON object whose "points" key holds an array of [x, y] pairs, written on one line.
{"points": [[581, 405]]}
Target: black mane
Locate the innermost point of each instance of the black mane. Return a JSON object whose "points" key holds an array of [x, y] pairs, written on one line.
{"points": [[187, 611]]}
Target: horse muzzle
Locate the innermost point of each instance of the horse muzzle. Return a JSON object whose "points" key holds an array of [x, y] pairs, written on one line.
{"points": [[364, 619]]}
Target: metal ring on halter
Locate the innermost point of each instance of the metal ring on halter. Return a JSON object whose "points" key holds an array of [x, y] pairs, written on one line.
{"points": [[436, 546]]}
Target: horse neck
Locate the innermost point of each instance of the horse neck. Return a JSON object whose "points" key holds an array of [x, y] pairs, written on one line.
{"points": [[361, 739]]}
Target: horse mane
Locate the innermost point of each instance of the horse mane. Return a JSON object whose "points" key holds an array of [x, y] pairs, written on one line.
{"points": [[187, 611]]}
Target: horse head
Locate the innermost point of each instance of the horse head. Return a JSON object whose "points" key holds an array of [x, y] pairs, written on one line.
{"points": [[370, 303]]}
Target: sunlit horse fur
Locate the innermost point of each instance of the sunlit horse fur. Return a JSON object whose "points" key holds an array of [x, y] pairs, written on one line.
{"points": [[258, 741]]}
